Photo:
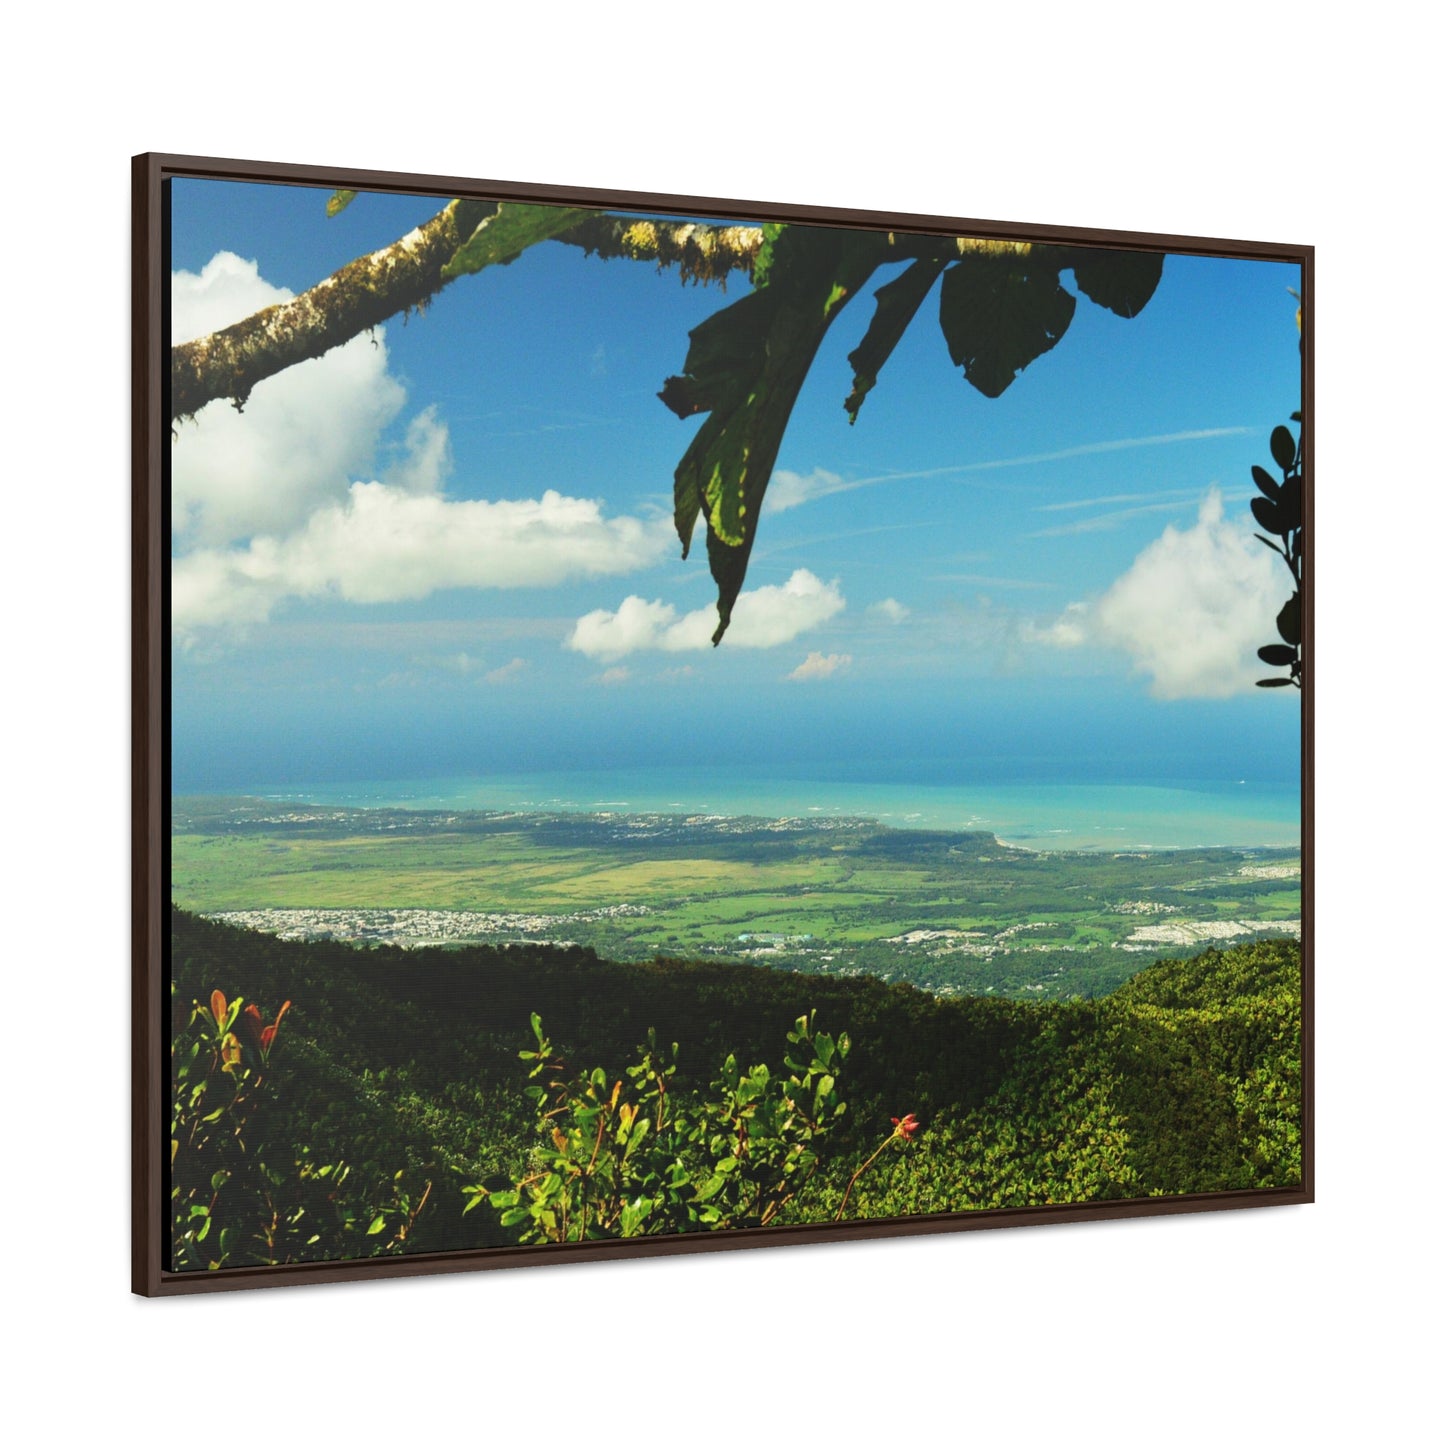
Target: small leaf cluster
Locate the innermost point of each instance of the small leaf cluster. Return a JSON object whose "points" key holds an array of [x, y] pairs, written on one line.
{"points": [[634, 1155], [242, 1190], [1279, 510]]}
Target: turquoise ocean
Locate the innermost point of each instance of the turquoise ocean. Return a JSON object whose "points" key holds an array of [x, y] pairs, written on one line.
{"points": [[1089, 816]]}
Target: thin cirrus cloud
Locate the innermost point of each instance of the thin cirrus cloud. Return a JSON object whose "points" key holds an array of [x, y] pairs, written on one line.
{"points": [[1107, 521], [792, 489], [1190, 611], [764, 617]]}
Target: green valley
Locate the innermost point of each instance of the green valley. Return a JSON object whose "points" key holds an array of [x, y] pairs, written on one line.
{"points": [[953, 913]]}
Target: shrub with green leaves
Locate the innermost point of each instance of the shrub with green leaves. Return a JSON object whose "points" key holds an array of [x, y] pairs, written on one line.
{"points": [[632, 1156], [242, 1191]]}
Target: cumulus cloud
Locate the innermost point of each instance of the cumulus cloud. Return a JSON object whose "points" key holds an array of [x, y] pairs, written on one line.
{"points": [[815, 666], [1190, 611], [764, 617], [889, 609], [384, 544], [304, 432], [425, 461], [290, 498]]}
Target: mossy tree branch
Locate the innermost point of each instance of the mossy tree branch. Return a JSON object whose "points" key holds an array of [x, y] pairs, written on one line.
{"points": [[406, 275]]}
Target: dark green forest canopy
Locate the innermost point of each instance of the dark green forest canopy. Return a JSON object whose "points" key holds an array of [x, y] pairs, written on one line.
{"points": [[1187, 1080]]}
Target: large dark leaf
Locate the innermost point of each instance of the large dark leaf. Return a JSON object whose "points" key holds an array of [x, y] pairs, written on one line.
{"points": [[1282, 447], [1291, 501], [1266, 483], [722, 356], [745, 367], [1277, 654], [1267, 514], [1121, 280], [898, 303], [1288, 621], [999, 313]]}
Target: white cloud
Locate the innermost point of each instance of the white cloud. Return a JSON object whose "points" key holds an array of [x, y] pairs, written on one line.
{"points": [[303, 435], [1070, 630], [889, 609], [764, 617], [383, 544], [790, 489], [272, 502], [636, 625], [508, 672], [426, 459], [815, 665], [227, 289], [1190, 611], [613, 677]]}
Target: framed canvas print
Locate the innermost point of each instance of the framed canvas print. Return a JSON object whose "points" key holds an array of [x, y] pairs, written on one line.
{"points": [[668, 724]]}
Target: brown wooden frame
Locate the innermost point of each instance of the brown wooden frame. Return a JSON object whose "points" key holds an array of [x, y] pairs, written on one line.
{"points": [[150, 722]]}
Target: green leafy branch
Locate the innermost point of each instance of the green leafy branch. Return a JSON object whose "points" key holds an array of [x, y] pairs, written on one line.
{"points": [[1279, 510], [242, 1190], [633, 1156]]}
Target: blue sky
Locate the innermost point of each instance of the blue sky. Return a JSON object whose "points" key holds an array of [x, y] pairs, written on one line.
{"points": [[447, 548]]}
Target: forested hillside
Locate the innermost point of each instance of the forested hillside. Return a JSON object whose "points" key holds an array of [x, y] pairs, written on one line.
{"points": [[387, 1109]]}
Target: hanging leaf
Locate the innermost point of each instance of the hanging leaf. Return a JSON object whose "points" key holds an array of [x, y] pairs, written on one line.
{"points": [[897, 304], [1123, 281], [745, 367], [999, 313], [339, 201], [502, 236], [1275, 682], [1276, 654], [1000, 308]]}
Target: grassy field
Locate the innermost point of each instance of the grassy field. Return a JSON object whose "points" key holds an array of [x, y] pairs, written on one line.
{"points": [[952, 912]]}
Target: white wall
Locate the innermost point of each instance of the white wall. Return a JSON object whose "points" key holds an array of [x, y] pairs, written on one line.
{"points": [[1234, 120]]}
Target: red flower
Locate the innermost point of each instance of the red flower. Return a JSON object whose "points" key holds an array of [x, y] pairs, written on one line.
{"points": [[263, 1035], [906, 1127]]}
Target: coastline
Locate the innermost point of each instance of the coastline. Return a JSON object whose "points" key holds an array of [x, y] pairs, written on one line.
{"points": [[1036, 817]]}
